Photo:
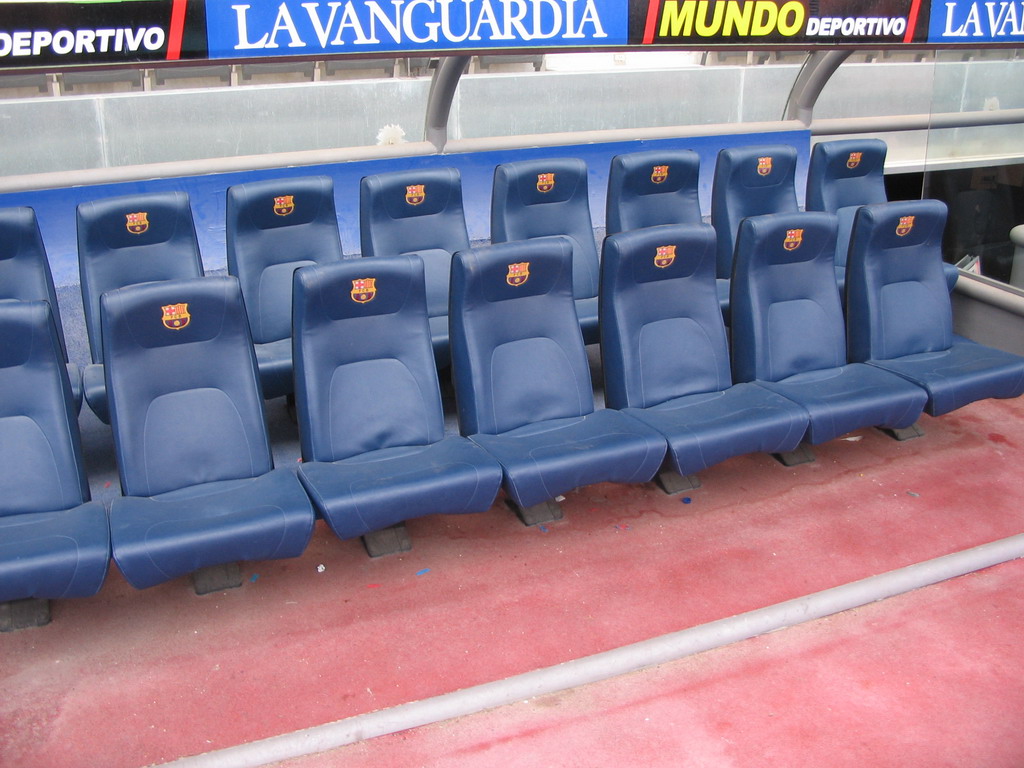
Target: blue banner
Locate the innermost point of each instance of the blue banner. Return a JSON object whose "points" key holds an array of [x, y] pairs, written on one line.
{"points": [[300, 27], [976, 21]]}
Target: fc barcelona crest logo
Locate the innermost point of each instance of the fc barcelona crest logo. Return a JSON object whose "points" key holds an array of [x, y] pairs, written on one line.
{"points": [[176, 316], [284, 205], [659, 173], [364, 289], [664, 255], [137, 223], [518, 273], [764, 166], [415, 194], [793, 239], [906, 224], [545, 182], [853, 160]]}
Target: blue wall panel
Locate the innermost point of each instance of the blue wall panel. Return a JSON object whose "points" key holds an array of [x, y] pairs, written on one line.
{"points": [[56, 208]]}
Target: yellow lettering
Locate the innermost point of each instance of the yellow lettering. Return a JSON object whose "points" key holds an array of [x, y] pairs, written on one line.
{"points": [[737, 18], [676, 18]]}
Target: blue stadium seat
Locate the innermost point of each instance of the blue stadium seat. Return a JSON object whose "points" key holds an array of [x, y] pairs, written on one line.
{"points": [[273, 227], [369, 406], [123, 241], [542, 198], [647, 189], [749, 181], [54, 542], [25, 275], [193, 454], [666, 358], [788, 333], [522, 379], [899, 315], [417, 212], [841, 177]]}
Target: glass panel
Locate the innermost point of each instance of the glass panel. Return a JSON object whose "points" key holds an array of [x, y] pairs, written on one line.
{"points": [[979, 171], [586, 92]]}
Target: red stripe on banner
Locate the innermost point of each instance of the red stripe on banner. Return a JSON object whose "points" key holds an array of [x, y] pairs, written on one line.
{"points": [[915, 9], [177, 30], [652, 19]]}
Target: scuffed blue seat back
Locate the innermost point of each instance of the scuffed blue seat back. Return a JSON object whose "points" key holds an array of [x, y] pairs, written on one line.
{"points": [[25, 275], [647, 189], [123, 241], [273, 227], [189, 435], [53, 542], [788, 331], [417, 212], [543, 198], [899, 313], [749, 181], [666, 357], [369, 405], [522, 377]]}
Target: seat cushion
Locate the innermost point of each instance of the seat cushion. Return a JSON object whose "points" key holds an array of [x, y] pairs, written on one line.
{"points": [[382, 488], [51, 555], [840, 400], [960, 375], [274, 360], [542, 460], [159, 538], [705, 429]]}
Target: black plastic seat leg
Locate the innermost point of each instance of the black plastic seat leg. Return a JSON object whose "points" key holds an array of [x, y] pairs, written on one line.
{"points": [[217, 578], [801, 455], [907, 433], [387, 541], [671, 482], [23, 614], [545, 512]]}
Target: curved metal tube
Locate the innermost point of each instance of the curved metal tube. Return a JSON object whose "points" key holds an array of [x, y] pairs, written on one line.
{"points": [[603, 666], [439, 101]]}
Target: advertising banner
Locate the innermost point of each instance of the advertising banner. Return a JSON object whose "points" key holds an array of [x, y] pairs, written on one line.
{"points": [[58, 34]]}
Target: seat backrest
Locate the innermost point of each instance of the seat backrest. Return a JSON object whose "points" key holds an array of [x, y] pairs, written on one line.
{"points": [[40, 452], [786, 314], [24, 269], [845, 173], [662, 332], [749, 181], [897, 300], [542, 198], [646, 189], [132, 239], [364, 366], [185, 400], [416, 212], [273, 227], [517, 351]]}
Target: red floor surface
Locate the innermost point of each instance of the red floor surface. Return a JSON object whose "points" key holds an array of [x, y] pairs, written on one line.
{"points": [[928, 679], [130, 678]]}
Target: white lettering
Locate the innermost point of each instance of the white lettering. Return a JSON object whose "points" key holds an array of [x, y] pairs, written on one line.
{"points": [[63, 42], [284, 23], [155, 39], [393, 26], [322, 32], [410, 29]]}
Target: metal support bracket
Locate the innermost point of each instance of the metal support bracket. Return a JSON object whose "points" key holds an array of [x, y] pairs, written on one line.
{"points": [[545, 512], [801, 455], [217, 578], [22, 614], [387, 541], [671, 482], [907, 433]]}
